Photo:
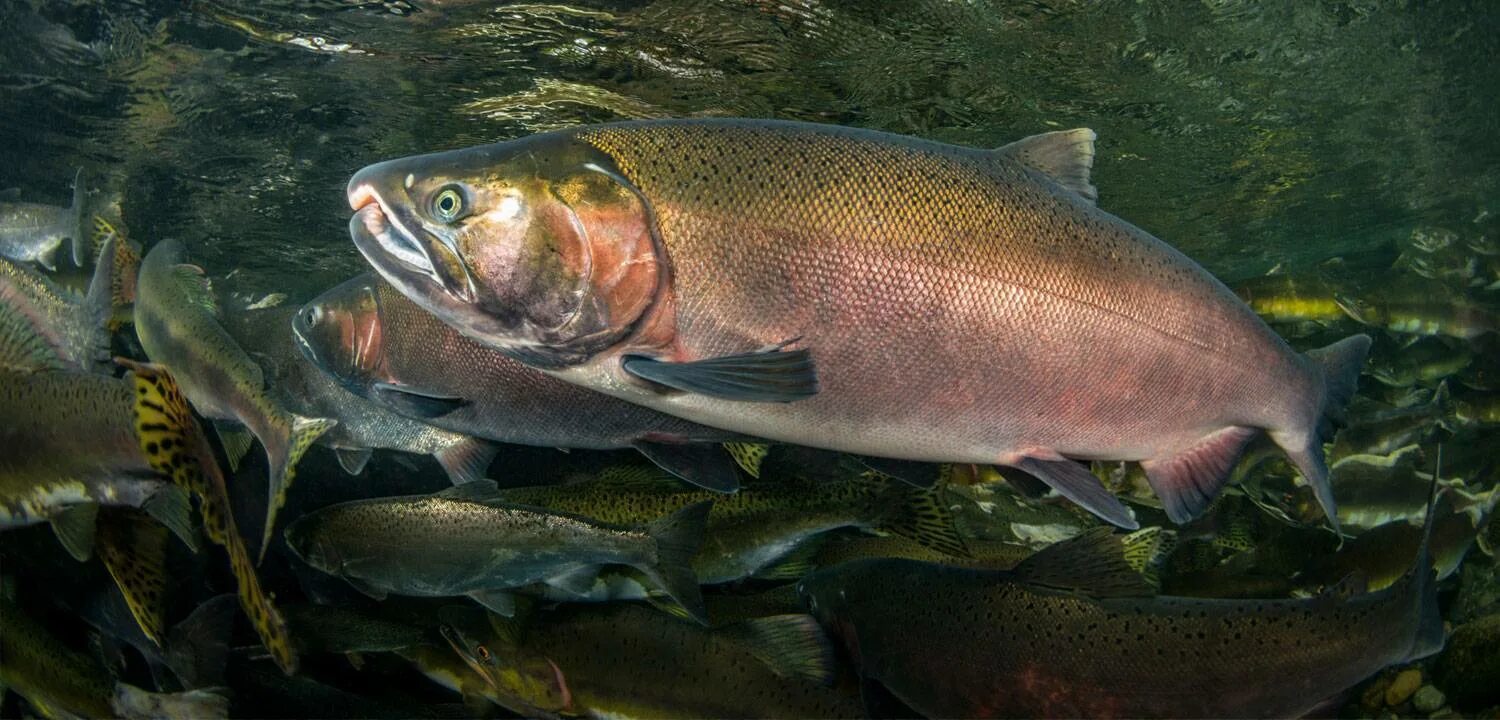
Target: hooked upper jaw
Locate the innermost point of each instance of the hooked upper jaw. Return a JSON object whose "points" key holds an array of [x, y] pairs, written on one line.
{"points": [[395, 241]]}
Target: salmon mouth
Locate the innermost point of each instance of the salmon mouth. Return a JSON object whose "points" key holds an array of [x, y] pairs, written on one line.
{"points": [[394, 247]]}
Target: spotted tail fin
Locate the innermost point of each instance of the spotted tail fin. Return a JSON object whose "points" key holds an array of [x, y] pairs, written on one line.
{"points": [[284, 457]]}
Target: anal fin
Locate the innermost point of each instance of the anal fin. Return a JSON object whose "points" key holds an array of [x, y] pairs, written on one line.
{"points": [[75, 527], [1188, 481], [236, 441], [353, 460]]}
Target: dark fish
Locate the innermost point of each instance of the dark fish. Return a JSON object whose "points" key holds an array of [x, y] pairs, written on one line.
{"points": [[625, 661], [300, 387], [463, 541], [73, 327], [829, 287], [383, 347], [176, 321], [1071, 632]]}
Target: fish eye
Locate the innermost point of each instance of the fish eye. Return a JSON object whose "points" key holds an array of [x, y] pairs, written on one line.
{"points": [[483, 652], [448, 204]]}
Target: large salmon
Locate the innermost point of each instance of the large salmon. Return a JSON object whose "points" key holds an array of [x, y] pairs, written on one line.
{"points": [[857, 291]]}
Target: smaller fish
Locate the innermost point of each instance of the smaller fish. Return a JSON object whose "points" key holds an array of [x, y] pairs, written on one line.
{"points": [[1393, 429], [1282, 298], [762, 525], [623, 660], [74, 327], [1481, 409], [1425, 362], [60, 681], [465, 541], [1378, 554], [176, 319], [33, 232], [1423, 315]]}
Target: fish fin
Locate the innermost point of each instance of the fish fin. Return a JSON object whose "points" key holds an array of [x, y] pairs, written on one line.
{"points": [[793, 565], [1091, 563], [172, 506], [578, 582], [130, 701], [75, 528], [235, 440], [80, 240], [480, 491], [467, 460], [749, 456], [790, 645], [706, 465], [366, 588], [499, 602], [304, 432], [22, 348], [134, 550], [678, 537], [353, 460], [126, 262], [774, 375], [880, 703], [1076, 483], [99, 307], [919, 514], [1065, 156], [1189, 480], [912, 472], [175, 446], [1340, 364], [197, 649], [415, 403], [1146, 552], [1429, 636], [195, 287]]}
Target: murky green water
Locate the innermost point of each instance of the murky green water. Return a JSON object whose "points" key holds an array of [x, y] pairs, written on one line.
{"points": [[1351, 148]]}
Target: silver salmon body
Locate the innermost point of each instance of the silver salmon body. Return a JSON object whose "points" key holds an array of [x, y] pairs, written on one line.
{"points": [[855, 291]]}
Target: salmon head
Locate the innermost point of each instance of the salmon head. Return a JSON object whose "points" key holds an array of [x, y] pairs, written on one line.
{"points": [[341, 333], [526, 683], [538, 247]]}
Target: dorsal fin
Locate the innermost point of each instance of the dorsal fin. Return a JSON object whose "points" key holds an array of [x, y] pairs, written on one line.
{"points": [[195, 286], [790, 645], [1092, 563], [1066, 156]]}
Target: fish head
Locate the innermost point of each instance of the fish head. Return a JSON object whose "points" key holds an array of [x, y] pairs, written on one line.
{"points": [[530, 685], [341, 333], [825, 597], [307, 537], [537, 247]]}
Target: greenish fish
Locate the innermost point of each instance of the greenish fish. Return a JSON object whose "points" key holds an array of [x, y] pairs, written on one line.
{"points": [[764, 523], [826, 286], [573, 663], [73, 327], [1378, 554], [63, 682], [1282, 298], [1425, 362], [176, 320], [1074, 632], [33, 232], [466, 541], [1388, 430], [1424, 313], [300, 387], [382, 346]]}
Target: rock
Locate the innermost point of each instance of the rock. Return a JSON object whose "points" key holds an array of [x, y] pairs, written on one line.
{"points": [[1468, 671], [1428, 699], [1403, 687]]}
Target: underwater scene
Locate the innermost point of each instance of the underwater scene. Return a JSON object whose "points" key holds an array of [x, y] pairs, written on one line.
{"points": [[749, 358]]}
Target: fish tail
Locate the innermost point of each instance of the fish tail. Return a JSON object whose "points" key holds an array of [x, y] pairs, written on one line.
{"points": [[284, 449], [76, 235], [917, 514], [1429, 636], [175, 446], [678, 537], [1340, 364]]}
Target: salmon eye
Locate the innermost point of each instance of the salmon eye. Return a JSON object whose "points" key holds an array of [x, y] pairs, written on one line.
{"points": [[483, 652], [448, 204]]}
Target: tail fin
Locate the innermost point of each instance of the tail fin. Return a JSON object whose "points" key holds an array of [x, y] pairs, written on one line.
{"points": [[79, 238], [175, 446], [1429, 636], [917, 514], [284, 455], [678, 537], [1341, 363]]}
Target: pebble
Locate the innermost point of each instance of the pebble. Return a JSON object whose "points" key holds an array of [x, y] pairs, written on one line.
{"points": [[1403, 687], [1428, 700]]}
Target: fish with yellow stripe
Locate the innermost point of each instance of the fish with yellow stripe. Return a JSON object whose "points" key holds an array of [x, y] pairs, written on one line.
{"points": [[176, 320], [74, 327]]}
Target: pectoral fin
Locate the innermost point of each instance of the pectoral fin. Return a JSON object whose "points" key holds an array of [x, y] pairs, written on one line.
{"points": [[74, 528], [774, 375], [415, 403]]}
